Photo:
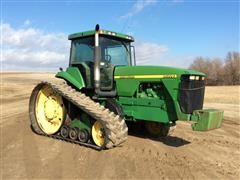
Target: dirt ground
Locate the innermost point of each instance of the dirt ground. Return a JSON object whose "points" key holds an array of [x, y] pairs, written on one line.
{"points": [[186, 154]]}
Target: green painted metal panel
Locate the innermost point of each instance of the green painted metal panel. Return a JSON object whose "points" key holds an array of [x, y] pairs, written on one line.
{"points": [[128, 78], [180, 115], [164, 108], [126, 87], [153, 70], [80, 124], [151, 102], [101, 32], [146, 113], [73, 76], [81, 34], [151, 109], [207, 119]]}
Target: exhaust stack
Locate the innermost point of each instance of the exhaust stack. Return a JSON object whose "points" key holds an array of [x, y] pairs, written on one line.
{"points": [[97, 77], [97, 56]]}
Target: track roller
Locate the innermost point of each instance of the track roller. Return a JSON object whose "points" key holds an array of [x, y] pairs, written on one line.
{"points": [[73, 133], [64, 131], [83, 135]]}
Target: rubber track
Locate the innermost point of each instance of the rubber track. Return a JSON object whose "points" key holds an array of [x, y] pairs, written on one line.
{"points": [[116, 130]]}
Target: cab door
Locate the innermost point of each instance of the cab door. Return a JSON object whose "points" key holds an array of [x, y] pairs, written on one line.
{"points": [[106, 70]]}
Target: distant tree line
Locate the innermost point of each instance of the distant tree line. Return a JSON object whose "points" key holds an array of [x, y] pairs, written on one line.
{"points": [[219, 71]]}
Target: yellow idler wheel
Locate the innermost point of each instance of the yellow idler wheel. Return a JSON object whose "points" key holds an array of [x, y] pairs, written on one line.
{"points": [[49, 110], [98, 134]]}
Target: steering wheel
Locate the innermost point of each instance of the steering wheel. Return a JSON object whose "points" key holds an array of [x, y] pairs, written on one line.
{"points": [[108, 58]]}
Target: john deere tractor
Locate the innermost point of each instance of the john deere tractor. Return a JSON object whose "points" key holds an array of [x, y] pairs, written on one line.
{"points": [[90, 102]]}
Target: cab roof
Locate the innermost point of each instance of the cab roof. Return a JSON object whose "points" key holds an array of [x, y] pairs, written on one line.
{"points": [[103, 32]]}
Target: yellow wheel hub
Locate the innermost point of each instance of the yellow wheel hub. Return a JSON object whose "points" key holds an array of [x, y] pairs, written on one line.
{"points": [[49, 110], [97, 134]]}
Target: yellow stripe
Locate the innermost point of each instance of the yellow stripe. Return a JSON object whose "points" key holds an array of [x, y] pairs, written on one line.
{"points": [[160, 76]]}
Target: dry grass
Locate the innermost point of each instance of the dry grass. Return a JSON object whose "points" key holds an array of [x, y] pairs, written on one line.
{"points": [[226, 98], [222, 94]]}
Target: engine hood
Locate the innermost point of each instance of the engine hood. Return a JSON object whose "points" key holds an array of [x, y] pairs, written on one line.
{"points": [[152, 72]]}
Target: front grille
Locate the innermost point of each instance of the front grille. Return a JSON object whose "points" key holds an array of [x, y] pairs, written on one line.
{"points": [[191, 93]]}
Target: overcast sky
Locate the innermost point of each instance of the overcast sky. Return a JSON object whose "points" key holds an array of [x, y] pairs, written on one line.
{"points": [[170, 33]]}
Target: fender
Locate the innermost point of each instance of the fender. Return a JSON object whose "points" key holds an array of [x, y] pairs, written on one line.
{"points": [[73, 76]]}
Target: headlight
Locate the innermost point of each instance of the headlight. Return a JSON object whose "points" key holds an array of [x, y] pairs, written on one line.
{"points": [[192, 77]]}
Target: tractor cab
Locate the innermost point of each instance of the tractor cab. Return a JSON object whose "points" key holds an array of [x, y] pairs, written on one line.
{"points": [[96, 53]]}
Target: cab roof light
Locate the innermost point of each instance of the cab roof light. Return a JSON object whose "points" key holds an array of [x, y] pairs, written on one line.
{"points": [[101, 31]]}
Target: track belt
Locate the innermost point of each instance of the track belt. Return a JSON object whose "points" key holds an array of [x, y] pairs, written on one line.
{"points": [[116, 130]]}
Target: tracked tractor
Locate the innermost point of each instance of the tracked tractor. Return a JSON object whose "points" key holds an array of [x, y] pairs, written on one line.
{"points": [[90, 102]]}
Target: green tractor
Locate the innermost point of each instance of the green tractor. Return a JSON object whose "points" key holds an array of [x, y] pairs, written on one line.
{"points": [[102, 89]]}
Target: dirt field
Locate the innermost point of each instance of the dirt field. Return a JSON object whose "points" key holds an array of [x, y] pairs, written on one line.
{"points": [[184, 155]]}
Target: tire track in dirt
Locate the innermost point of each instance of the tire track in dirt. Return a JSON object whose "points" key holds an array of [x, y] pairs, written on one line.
{"points": [[30, 152], [19, 146]]}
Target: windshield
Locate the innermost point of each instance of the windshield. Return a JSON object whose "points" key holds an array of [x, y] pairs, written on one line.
{"points": [[116, 52]]}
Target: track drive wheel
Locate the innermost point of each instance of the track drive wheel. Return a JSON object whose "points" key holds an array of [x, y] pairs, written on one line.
{"points": [[156, 129], [46, 109], [98, 134]]}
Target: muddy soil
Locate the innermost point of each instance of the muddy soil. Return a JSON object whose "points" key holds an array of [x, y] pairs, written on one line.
{"points": [[186, 154]]}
